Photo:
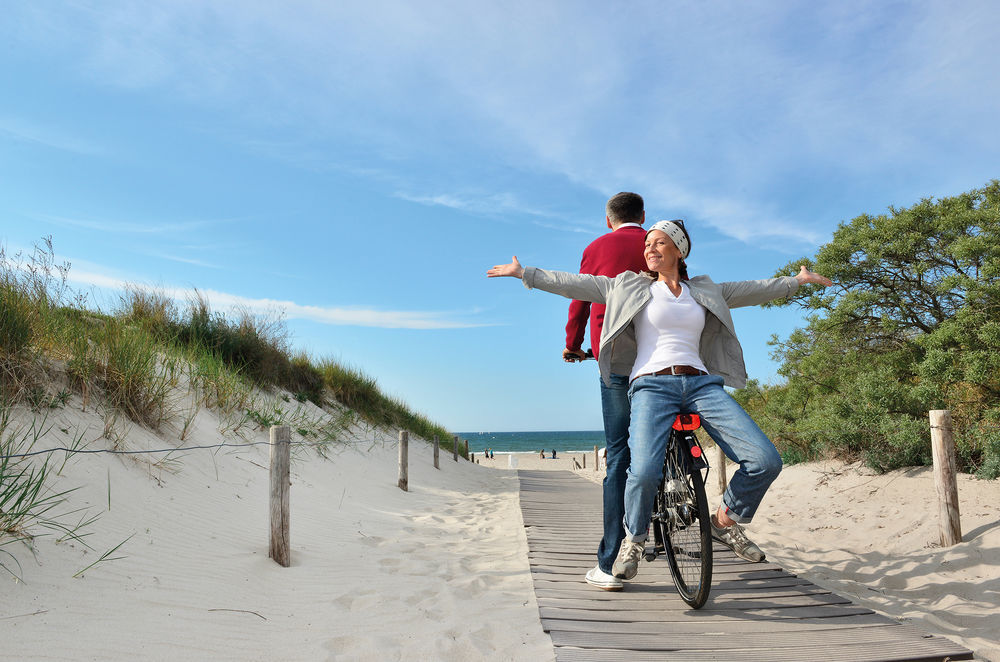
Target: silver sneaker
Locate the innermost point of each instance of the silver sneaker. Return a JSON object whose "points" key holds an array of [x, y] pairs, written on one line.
{"points": [[627, 564], [735, 539], [600, 579]]}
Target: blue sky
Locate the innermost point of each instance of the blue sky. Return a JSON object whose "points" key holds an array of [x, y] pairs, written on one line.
{"points": [[360, 165]]}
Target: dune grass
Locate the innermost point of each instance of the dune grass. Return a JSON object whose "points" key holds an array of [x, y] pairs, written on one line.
{"points": [[27, 504], [155, 363], [134, 355]]}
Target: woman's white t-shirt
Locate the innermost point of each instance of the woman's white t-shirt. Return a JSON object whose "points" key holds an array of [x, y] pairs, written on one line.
{"points": [[668, 331]]}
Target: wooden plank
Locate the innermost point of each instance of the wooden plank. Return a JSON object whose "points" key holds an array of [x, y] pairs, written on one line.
{"points": [[668, 605], [933, 649], [584, 614], [756, 612], [719, 641], [698, 627]]}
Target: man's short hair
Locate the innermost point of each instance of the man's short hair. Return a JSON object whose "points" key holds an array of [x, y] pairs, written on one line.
{"points": [[625, 207]]}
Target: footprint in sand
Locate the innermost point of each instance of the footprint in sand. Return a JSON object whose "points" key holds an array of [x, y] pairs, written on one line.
{"points": [[349, 600], [390, 565]]}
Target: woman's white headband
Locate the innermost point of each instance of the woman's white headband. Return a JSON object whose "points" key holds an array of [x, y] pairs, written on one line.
{"points": [[676, 233]]}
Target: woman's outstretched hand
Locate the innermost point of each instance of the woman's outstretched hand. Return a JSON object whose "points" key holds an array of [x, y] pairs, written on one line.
{"points": [[513, 269], [805, 276]]}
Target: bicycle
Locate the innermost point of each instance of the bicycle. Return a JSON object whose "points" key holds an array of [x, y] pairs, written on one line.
{"points": [[680, 513], [681, 526]]}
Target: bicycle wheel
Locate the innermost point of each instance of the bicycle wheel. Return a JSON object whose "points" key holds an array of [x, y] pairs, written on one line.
{"points": [[685, 529]]}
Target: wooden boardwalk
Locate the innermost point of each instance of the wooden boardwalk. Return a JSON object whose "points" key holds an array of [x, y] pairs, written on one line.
{"points": [[756, 611]]}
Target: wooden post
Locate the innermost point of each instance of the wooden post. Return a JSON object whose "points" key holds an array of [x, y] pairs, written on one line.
{"points": [[472, 458], [721, 465], [280, 544], [404, 459], [597, 459], [454, 448], [945, 479], [437, 453], [466, 448], [584, 460]]}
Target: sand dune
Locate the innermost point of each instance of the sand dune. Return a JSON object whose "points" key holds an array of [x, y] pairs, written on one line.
{"points": [[438, 573]]}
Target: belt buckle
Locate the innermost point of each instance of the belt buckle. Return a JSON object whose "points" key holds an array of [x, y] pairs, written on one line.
{"points": [[673, 370]]}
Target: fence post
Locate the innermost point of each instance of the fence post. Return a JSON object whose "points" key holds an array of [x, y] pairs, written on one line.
{"points": [[584, 460], [597, 459], [280, 543], [466, 448], [437, 452], [404, 459], [945, 479], [721, 463], [454, 449]]}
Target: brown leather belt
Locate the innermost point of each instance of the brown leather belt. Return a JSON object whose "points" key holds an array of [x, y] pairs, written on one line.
{"points": [[674, 370]]}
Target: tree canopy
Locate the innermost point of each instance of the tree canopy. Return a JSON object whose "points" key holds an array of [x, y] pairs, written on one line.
{"points": [[912, 323]]}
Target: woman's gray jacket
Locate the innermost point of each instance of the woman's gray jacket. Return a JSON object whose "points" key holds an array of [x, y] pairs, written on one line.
{"points": [[628, 293]]}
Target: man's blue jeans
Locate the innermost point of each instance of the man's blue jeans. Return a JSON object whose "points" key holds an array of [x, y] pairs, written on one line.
{"points": [[614, 403], [656, 400]]}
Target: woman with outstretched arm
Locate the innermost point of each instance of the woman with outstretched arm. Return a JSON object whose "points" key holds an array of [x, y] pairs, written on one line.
{"points": [[674, 336]]}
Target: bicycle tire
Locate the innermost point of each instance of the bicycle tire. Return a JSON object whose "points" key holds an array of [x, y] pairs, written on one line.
{"points": [[686, 532]]}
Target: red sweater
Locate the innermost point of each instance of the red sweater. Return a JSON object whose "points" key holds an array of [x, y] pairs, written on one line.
{"points": [[608, 255]]}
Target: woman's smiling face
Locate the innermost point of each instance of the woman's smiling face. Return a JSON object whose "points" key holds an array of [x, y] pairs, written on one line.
{"points": [[661, 252]]}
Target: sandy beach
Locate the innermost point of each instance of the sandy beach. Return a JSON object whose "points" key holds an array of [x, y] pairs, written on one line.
{"points": [[439, 572]]}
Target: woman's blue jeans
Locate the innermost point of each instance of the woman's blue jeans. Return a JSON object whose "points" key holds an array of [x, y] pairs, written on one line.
{"points": [[655, 402]]}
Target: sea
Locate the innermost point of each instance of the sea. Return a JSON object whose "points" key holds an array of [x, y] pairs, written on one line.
{"points": [[562, 441]]}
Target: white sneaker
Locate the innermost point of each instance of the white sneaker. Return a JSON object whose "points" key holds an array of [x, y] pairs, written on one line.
{"points": [[627, 563], [600, 579]]}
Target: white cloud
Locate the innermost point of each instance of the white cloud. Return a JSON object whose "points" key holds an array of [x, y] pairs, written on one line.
{"points": [[494, 204], [339, 316], [131, 227], [715, 112]]}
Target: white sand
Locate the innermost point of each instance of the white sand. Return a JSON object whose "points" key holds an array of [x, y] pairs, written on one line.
{"points": [[874, 539], [436, 573]]}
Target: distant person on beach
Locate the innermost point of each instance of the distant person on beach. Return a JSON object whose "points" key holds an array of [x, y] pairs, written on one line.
{"points": [[609, 255], [541, 454], [674, 336], [553, 453]]}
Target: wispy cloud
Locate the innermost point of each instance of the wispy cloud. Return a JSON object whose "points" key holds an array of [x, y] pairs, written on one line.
{"points": [[185, 260], [333, 315], [711, 113], [132, 227], [20, 130], [493, 204]]}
